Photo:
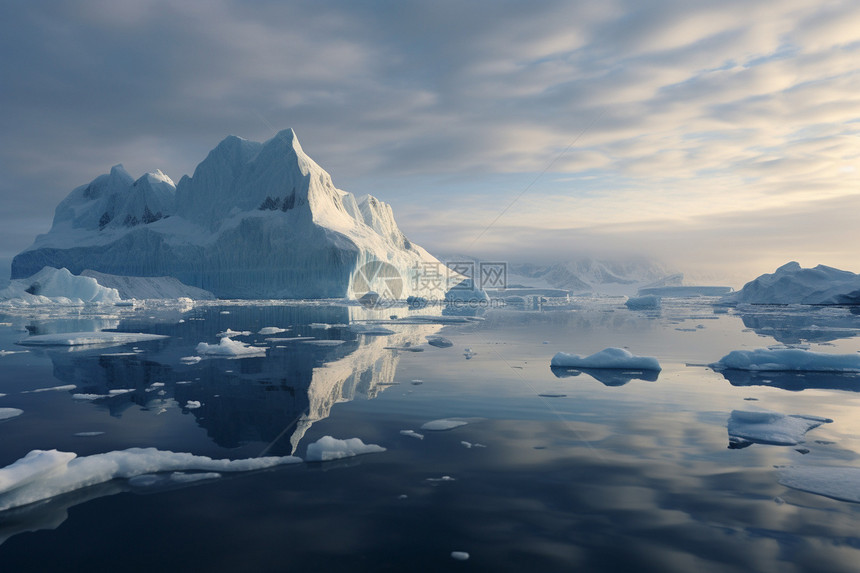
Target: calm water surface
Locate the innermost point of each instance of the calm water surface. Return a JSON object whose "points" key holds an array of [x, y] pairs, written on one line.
{"points": [[592, 471]]}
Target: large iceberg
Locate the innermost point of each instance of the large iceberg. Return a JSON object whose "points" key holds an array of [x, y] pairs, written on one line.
{"points": [[256, 220], [792, 284]]}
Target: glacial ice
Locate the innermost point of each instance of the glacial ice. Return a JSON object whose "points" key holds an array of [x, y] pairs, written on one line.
{"points": [[43, 474], [764, 427], [51, 286], [256, 220], [645, 302], [791, 284], [142, 288], [788, 360], [614, 358], [328, 448]]}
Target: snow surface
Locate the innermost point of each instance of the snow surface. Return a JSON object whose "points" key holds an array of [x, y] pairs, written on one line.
{"points": [[148, 287], [842, 483], [788, 360], [643, 302], [230, 348], [612, 358], [6, 413], [43, 474], [84, 338], [50, 286], [765, 427], [443, 424], [792, 284], [328, 448], [256, 220]]}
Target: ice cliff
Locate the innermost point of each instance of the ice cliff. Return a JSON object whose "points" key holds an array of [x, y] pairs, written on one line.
{"points": [[255, 220]]}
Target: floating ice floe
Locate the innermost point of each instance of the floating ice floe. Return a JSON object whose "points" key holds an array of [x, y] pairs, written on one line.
{"points": [[267, 330], [87, 434], [328, 448], [51, 389], [370, 329], [86, 338], [8, 352], [443, 424], [190, 359], [230, 349], [43, 474], [233, 333], [192, 404], [174, 478], [842, 483], [6, 413], [439, 342], [788, 360], [646, 302], [459, 555], [324, 342], [412, 434], [774, 428], [611, 358]]}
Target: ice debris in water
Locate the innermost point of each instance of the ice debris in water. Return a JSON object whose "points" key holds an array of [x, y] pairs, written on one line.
{"points": [[443, 424], [268, 330], [773, 428], [610, 358], [233, 333], [328, 448], [6, 413], [439, 342], [84, 338], [230, 348], [192, 404], [412, 434], [646, 302], [842, 483], [43, 474], [459, 555], [51, 389], [190, 359], [787, 360]]}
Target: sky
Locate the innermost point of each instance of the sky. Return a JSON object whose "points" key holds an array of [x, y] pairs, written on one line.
{"points": [[718, 137]]}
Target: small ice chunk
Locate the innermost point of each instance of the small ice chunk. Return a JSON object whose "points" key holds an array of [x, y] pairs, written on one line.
{"points": [[89, 396], [328, 448], [87, 434], [233, 333], [7, 413], [439, 341], [646, 302], [324, 342], [230, 349], [610, 358], [192, 404], [412, 434], [459, 555], [443, 424], [788, 360], [267, 330], [765, 427], [119, 391], [443, 478], [190, 359]]}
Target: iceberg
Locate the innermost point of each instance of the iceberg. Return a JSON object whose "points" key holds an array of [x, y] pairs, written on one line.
{"points": [[787, 360], [614, 358], [148, 287], [229, 348], [255, 220], [328, 448], [792, 284], [56, 286]]}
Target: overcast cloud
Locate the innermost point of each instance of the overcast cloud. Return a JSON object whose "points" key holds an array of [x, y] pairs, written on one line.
{"points": [[729, 128]]}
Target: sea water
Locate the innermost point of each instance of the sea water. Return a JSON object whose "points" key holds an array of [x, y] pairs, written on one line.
{"points": [[533, 469]]}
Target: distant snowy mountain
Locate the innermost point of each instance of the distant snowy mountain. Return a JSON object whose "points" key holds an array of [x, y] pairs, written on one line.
{"points": [[595, 276], [256, 220]]}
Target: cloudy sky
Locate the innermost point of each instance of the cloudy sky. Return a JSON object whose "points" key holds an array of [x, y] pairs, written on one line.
{"points": [[721, 137]]}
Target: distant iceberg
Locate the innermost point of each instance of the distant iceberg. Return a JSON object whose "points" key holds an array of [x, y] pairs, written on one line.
{"points": [[792, 284], [256, 220], [608, 358], [787, 360]]}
